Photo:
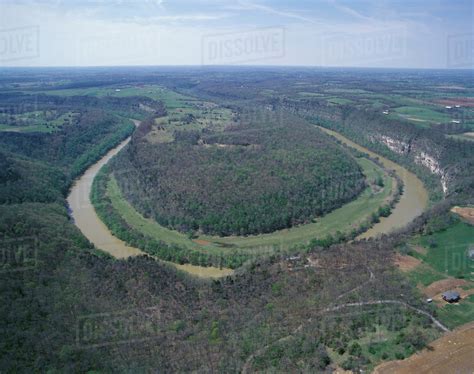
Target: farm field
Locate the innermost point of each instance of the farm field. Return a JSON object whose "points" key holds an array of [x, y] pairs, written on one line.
{"points": [[445, 265], [421, 114], [250, 186], [193, 117], [469, 136], [37, 121], [296, 272], [170, 98]]}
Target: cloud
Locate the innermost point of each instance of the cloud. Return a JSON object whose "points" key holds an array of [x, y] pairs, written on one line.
{"points": [[157, 32], [191, 17], [247, 5], [350, 11]]}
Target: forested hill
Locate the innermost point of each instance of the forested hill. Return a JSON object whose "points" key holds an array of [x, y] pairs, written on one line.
{"points": [[268, 173], [67, 307], [41, 165], [58, 158], [408, 116], [444, 163]]}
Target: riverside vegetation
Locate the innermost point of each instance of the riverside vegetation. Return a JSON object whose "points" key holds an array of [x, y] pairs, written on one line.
{"points": [[313, 312]]}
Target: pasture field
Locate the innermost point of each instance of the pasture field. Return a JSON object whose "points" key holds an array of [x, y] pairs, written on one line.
{"points": [[446, 266], [469, 136], [421, 107], [310, 94], [421, 114], [447, 251], [37, 121], [458, 314], [170, 98], [339, 100], [198, 116]]}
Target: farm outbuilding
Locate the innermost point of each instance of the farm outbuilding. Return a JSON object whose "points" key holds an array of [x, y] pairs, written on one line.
{"points": [[451, 296]]}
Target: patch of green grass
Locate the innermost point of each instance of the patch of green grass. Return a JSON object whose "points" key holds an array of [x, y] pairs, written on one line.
{"points": [[418, 114], [347, 90], [447, 250], [170, 98], [447, 257], [41, 121], [339, 101], [310, 94], [267, 92], [199, 116], [424, 275], [467, 136], [457, 314]]}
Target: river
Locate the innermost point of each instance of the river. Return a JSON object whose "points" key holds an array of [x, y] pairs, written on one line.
{"points": [[413, 201], [87, 220]]}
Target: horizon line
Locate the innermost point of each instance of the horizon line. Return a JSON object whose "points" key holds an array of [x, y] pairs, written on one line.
{"points": [[232, 66]]}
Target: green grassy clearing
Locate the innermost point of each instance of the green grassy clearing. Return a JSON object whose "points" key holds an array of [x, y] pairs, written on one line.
{"points": [[347, 90], [424, 275], [457, 314], [41, 121], [310, 94], [339, 101], [170, 98], [446, 257], [447, 250], [466, 136], [200, 116], [267, 92], [418, 114]]}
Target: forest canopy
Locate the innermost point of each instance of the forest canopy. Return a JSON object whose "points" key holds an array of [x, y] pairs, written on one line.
{"points": [[253, 177]]}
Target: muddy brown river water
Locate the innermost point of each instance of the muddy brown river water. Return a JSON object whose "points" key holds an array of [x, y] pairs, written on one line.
{"points": [[412, 203], [86, 219]]}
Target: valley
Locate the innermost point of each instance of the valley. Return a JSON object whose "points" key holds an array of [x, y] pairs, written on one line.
{"points": [[267, 219]]}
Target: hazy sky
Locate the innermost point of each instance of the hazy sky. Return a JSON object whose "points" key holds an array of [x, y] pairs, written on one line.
{"points": [[374, 33]]}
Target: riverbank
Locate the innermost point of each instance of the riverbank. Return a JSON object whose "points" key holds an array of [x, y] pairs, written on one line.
{"points": [[413, 201], [87, 220], [411, 204]]}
